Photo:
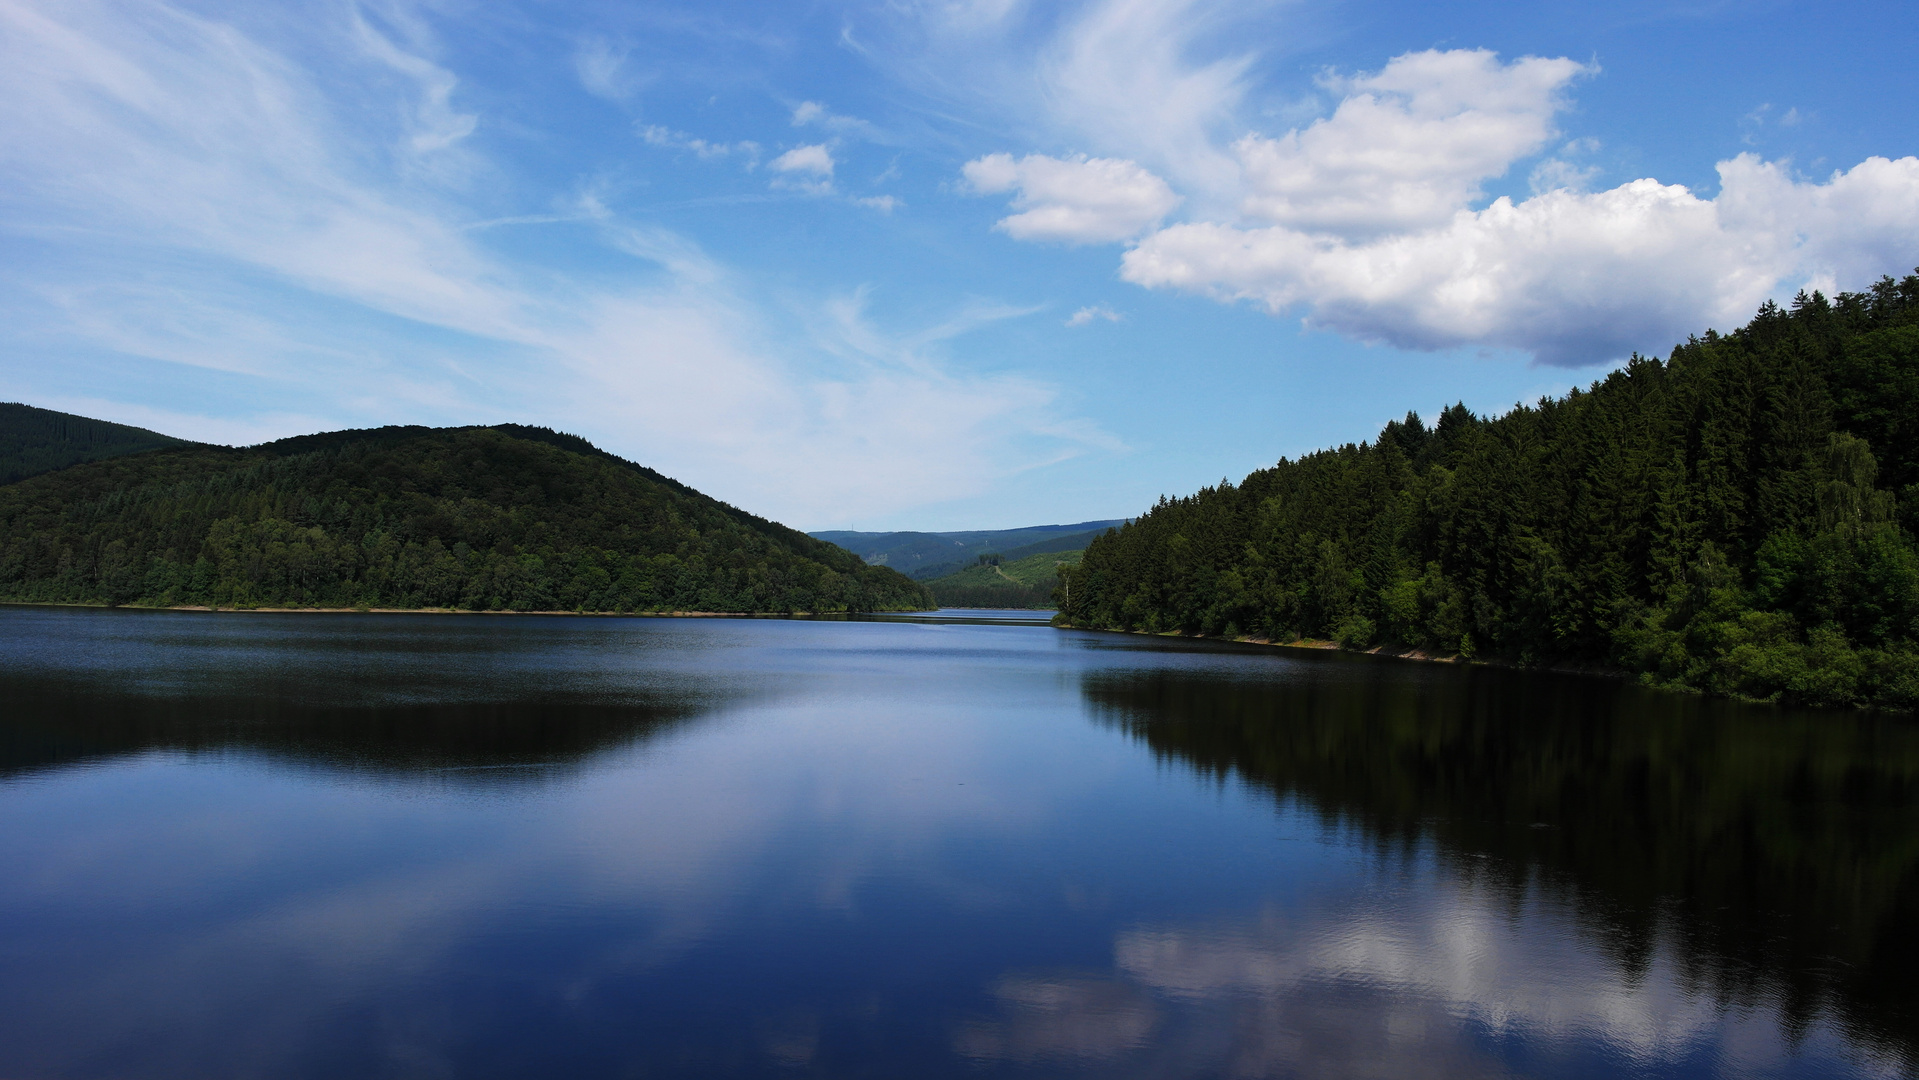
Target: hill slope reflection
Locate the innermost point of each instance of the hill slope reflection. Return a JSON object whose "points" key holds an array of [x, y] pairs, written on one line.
{"points": [[481, 701], [1774, 853]]}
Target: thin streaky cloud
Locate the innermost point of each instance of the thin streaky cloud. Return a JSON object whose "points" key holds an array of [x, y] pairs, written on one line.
{"points": [[230, 152]]}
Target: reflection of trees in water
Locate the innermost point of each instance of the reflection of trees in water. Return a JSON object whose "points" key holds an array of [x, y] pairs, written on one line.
{"points": [[55, 722], [1778, 849], [483, 702]]}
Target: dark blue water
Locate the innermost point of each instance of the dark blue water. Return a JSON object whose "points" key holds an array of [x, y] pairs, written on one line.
{"points": [[388, 845]]}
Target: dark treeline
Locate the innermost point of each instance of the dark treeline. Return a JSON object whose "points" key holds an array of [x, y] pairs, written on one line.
{"points": [[1776, 851], [499, 518], [33, 441], [1737, 519]]}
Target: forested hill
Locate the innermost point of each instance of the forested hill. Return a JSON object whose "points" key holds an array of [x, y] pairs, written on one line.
{"points": [[924, 556], [483, 518], [1737, 519], [33, 440], [996, 581]]}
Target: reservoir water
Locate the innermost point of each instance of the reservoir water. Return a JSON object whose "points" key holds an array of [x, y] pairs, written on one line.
{"points": [[419, 846]]}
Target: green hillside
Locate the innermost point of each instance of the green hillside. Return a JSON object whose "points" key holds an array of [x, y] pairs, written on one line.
{"points": [[1737, 519], [993, 582], [924, 556], [34, 441], [501, 518]]}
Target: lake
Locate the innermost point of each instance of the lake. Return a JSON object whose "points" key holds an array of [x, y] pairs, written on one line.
{"points": [[959, 845]]}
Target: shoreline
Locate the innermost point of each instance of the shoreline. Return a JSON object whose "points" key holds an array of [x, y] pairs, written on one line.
{"points": [[465, 611], [1562, 668], [1390, 652]]}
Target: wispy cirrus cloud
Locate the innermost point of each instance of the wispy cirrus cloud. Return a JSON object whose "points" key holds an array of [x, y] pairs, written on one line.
{"points": [[150, 143], [1130, 80], [704, 149], [1086, 316], [605, 69], [816, 114]]}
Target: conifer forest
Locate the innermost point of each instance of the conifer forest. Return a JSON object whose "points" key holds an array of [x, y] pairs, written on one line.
{"points": [[1736, 519]]}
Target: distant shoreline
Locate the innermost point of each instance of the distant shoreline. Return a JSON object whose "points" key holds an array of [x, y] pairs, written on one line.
{"points": [[978, 607], [1417, 654], [467, 611], [1420, 655]]}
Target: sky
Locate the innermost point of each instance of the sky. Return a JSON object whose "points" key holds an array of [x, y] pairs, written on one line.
{"points": [[920, 264]]}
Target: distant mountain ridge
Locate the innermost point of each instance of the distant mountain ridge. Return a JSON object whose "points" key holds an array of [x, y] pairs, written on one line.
{"points": [[480, 518], [927, 555], [35, 440]]}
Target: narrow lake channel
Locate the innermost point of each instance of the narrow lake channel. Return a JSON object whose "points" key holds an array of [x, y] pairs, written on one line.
{"points": [[961, 845]]}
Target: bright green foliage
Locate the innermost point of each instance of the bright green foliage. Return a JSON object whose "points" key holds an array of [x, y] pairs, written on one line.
{"points": [[33, 441], [1738, 519], [479, 518], [994, 583]]}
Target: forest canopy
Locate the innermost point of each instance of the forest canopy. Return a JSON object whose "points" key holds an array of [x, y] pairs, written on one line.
{"points": [[1736, 519], [479, 518], [34, 440], [997, 581]]}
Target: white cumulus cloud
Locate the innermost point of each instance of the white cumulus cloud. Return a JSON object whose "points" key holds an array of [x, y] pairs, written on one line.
{"points": [[815, 159], [1078, 200], [805, 168], [1407, 146], [1572, 278], [1372, 221]]}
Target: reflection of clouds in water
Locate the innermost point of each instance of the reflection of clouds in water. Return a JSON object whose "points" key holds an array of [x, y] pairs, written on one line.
{"points": [[1462, 983], [1116, 1027], [793, 1039], [677, 842], [1072, 1016]]}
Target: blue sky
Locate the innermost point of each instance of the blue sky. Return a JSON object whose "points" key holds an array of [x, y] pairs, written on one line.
{"points": [[939, 264]]}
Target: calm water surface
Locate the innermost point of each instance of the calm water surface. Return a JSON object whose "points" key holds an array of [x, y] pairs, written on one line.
{"points": [[389, 845]]}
